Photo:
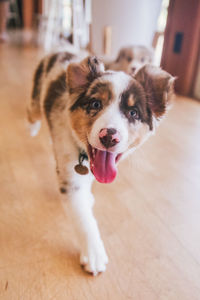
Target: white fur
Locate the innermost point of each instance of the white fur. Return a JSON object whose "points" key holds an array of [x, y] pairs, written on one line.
{"points": [[78, 205], [119, 80], [111, 118], [34, 128], [78, 201]]}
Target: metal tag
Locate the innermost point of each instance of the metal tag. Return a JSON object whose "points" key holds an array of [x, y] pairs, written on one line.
{"points": [[80, 169]]}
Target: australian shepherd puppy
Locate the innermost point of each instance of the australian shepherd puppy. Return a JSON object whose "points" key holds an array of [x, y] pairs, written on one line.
{"points": [[131, 58], [96, 118]]}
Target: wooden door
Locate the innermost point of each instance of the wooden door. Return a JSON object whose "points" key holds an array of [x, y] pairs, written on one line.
{"points": [[181, 43]]}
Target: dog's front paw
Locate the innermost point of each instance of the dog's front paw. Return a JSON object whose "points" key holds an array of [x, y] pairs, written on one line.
{"points": [[94, 258]]}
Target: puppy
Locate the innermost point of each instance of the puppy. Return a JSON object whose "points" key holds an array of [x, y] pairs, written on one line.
{"points": [[96, 118], [130, 59]]}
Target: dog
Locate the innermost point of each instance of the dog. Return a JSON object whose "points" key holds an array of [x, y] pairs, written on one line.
{"points": [[130, 59], [96, 118]]}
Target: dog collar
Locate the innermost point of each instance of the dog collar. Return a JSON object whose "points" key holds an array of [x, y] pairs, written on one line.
{"points": [[80, 168]]}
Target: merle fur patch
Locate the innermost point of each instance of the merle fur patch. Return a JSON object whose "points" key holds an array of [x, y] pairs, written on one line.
{"points": [[66, 56], [54, 92], [51, 62], [37, 80], [100, 91], [136, 91], [158, 87]]}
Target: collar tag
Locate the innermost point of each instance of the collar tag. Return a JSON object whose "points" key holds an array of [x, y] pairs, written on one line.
{"points": [[80, 168]]}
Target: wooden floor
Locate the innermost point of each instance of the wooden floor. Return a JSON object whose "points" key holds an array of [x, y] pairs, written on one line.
{"points": [[149, 218]]}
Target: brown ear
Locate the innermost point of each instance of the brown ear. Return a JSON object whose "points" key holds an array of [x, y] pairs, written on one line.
{"points": [[120, 55], [79, 75], [158, 87], [125, 53]]}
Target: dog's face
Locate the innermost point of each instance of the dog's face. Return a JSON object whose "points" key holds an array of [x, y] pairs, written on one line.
{"points": [[130, 59], [111, 112]]}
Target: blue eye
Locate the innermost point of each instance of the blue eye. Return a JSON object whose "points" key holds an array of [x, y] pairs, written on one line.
{"points": [[133, 114], [95, 104]]}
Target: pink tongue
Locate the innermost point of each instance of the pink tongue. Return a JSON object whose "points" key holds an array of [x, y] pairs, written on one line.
{"points": [[104, 168]]}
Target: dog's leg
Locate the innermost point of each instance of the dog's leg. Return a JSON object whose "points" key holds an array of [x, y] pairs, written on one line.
{"points": [[78, 203], [33, 111], [77, 198]]}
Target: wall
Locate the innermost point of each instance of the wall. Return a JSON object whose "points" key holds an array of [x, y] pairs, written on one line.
{"points": [[132, 21]]}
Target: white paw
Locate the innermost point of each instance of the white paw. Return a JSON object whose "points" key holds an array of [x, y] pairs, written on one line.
{"points": [[94, 258]]}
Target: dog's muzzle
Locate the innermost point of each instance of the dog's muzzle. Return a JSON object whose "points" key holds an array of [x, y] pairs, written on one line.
{"points": [[109, 137]]}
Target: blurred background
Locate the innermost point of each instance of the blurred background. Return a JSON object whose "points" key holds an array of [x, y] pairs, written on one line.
{"points": [[150, 216], [169, 27]]}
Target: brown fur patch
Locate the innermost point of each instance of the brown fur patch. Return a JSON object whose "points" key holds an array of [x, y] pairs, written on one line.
{"points": [[82, 119], [58, 57], [37, 80], [131, 100], [125, 54], [33, 113], [80, 75], [54, 93], [104, 95], [81, 123], [136, 91], [51, 62], [100, 91], [66, 56], [158, 87]]}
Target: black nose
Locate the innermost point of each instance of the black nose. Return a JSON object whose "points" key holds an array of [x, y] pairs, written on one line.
{"points": [[109, 137]]}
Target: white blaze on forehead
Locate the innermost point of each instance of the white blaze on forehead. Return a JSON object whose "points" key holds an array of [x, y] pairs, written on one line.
{"points": [[119, 81], [111, 116]]}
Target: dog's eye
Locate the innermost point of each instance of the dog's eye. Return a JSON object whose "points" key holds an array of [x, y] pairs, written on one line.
{"points": [[129, 59], [133, 114], [95, 104]]}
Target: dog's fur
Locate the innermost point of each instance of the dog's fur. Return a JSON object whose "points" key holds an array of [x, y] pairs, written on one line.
{"points": [[79, 99], [130, 59]]}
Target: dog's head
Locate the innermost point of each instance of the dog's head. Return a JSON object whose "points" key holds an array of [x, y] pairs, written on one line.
{"points": [[111, 112], [129, 59]]}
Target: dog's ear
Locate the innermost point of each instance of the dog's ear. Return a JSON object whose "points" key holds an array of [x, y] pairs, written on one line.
{"points": [[80, 75], [125, 54], [158, 86], [120, 55]]}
